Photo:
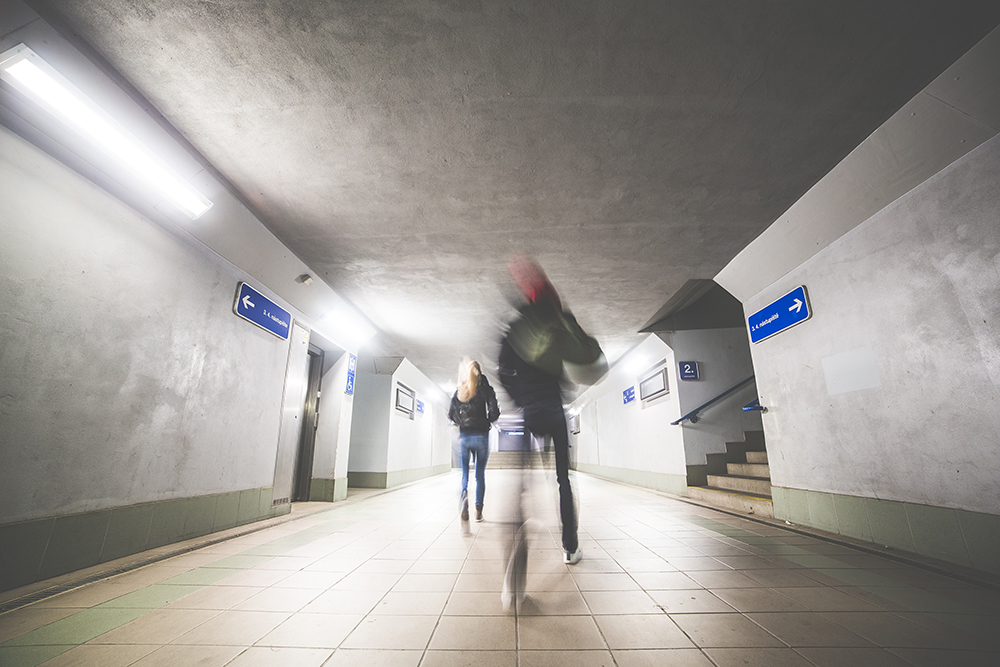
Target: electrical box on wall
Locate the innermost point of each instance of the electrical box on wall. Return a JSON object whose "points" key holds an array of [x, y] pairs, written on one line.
{"points": [[406, 400], [654, 385]]}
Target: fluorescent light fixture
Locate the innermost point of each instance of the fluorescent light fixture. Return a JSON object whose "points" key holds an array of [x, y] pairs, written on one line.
{"points": [[24, 70], [346, 327]]}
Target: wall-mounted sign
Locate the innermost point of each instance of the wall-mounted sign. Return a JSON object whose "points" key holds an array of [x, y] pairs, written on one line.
{"points": [[628, 395], [688, 370], [420, 407], [352, 367], [789, 310], [256, 308]]}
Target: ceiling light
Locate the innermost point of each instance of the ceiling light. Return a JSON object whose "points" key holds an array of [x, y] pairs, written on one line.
{"points": [[24, 70], [344, 326]]}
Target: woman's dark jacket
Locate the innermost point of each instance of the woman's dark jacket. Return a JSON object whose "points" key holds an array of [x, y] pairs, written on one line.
{"points": [[476, 415]]}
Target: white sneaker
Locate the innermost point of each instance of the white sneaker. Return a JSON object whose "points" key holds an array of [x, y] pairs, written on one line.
{"points": [[573, 558]]}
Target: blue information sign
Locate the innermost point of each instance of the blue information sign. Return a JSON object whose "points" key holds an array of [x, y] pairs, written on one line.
{"points": [[352, 366], [254, 307], [628, 395], [786, 312], [689, 370]]}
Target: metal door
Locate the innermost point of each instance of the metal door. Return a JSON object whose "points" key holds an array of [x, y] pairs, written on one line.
{"points": [[292, 408]]}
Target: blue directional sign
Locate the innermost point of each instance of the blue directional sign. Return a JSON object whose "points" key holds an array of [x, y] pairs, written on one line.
{"points": [[352, 366], [254, 307], [789, 310], [628, 395], [688, 369]]}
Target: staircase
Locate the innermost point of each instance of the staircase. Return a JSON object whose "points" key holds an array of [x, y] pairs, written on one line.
{"points": [[513, 460], [738, 480]]}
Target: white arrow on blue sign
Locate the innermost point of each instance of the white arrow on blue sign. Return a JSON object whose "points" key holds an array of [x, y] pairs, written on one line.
{"points": [[789, 310], [254, 307]]}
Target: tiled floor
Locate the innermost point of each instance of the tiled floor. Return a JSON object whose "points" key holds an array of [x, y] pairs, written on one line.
{"points": [[390, 581]]}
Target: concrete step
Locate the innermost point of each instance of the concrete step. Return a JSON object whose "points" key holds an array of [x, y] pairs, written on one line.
{"points": [[740, 502], [512, 460], [754, 485], [754, 440], [749, 470], [756, 457]]}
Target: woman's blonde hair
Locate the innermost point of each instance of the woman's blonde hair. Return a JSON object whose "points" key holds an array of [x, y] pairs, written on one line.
{"points": [[468, 380]]}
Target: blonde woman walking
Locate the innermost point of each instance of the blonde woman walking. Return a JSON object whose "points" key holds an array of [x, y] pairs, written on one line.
{"points": [[473, 408]]}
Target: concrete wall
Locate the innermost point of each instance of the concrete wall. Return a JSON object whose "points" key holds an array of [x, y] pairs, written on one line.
{"points": [[333, 435], [135, 408], [387, 446], [723, 357], [632, 442], [885, 406]]}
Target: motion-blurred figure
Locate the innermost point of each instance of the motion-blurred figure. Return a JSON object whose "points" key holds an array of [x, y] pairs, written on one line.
{"points": [[542, 341], [473, 409]]}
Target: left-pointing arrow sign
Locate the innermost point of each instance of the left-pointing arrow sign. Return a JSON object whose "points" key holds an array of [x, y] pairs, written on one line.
{"points": [[270, 316]]}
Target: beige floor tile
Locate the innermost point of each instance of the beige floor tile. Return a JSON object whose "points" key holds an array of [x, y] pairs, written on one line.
{"points": [[189, 656], [595, 658], [343, 602], [426, 582], [233, 628], [479, 583], [651, 631], [654, 564], [690, 602], [558, 633], [376, 582], [724, 631], [664, 581], [620, 602], [487, 633], [798, 629], [781, 578], [697, 564], [474, 604], [160, 626], [554, 603], [551, 582], [675, 657], [384, 567], [427, 566], [613, 581], [921, 657], [412, 603], [91, 655], [599, 565], [312, 631], [890, 630], [310, 579], [723, 579], [854, 657], [279, 599], [471, 659], [824, 598], [756, 599], [254, 578], [215, 597], [392, 632], [484, 566], [373, 658], [31, 618], [756, 657], [87, 596], [281, 656], [288, 563]]}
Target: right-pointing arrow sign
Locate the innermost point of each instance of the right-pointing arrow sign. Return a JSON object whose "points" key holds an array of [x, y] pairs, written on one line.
{"points": [[789, 310]]}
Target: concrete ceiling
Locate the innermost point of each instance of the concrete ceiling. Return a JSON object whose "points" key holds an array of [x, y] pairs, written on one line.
{"points": [[405, 150]]}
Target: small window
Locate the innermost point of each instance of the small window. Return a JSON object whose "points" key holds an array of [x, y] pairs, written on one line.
{"points": [[406, 399], [654, 385]]}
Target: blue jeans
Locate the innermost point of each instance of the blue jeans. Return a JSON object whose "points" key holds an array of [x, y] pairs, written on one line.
{"points": [[478, 444]]}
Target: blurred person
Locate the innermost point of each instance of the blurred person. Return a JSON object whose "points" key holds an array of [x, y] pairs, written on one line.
{"points": [[544, 345], [473, 409]]}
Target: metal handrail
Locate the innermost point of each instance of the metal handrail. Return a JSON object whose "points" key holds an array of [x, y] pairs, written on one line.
{"points": [[693, 415], [754, 405]]}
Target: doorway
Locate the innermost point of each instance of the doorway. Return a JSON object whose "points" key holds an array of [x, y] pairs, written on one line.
{"points": [[310, 422]]}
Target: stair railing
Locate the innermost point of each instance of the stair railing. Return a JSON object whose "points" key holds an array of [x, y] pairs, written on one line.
{"points": [[754, 405], [693, 415]]}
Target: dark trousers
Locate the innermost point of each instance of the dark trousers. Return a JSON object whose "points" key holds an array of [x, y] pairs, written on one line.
{"points": [[550, 420]]}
